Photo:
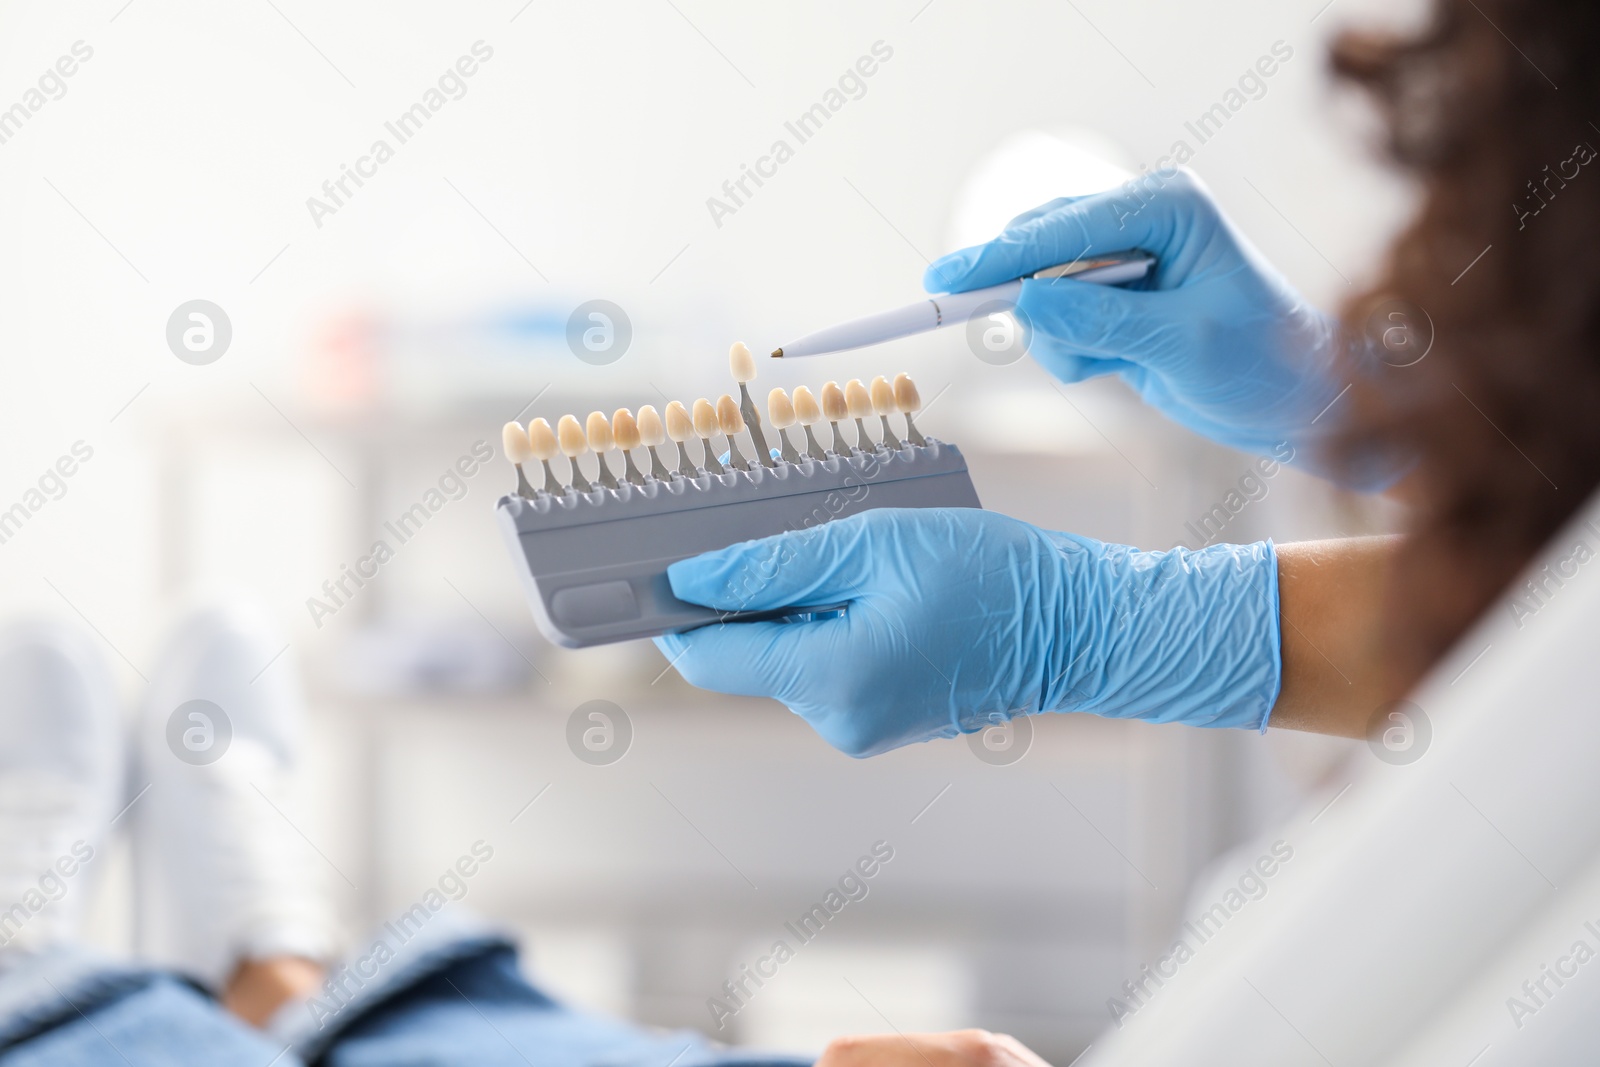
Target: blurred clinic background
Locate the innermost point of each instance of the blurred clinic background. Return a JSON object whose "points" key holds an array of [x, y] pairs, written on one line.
{"points": [[376, 339]]}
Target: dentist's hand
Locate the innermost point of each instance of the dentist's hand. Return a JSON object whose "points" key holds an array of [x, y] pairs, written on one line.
{"points": [[960, 618], [1214, 338]]}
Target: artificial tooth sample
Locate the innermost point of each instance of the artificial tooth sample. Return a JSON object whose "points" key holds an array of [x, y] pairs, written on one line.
{"points": [[809, 414], [706, 427], [781, 412], [858, 402], [834, 409], [743, 365], [731, 423], [680, 427], [598, 431], [909, 401], [569, 436], [651, 434], [515, 441], [626, 432], [542, 440], [742, 362], [883, 403]]}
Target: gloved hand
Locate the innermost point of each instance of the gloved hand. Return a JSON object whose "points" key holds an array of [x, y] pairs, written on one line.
{"points": [[960, 618], [1214, 337]]}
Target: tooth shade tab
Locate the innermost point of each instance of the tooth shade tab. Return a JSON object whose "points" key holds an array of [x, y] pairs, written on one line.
{"points": [[598, 431], [728, 417], [680, 427], [858, 401], [809, 414], [516, 444], [806, 411], [705, 418], [882, 396], [651, 432], [570, 436], [834, 406], [625, 429], [883, 403], [542, 440], [742, 362], [780, 410], [906, 397]]}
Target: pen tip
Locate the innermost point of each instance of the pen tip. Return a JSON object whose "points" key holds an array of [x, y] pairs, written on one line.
{"points": [[777, 353]]}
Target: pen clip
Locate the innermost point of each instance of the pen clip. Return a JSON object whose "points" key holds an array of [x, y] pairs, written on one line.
{"points": [[1088, 263]]}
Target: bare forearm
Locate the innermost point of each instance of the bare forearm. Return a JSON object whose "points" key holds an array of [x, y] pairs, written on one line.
{"points": [[1330, 599]]}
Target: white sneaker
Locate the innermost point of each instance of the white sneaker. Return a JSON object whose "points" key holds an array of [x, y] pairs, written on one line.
{"points": [[62, 762], [222, 872]]}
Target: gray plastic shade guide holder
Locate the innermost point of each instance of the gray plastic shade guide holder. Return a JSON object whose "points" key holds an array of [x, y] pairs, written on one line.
{"points": [[594, 565]]}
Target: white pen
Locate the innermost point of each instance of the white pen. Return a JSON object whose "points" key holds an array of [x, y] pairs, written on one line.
{"points": [[949, 309]]}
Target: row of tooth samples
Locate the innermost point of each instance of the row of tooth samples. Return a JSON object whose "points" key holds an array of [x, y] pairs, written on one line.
{"points": [[628, 432]]}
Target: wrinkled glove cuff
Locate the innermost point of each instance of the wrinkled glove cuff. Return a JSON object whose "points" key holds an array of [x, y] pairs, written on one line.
{"points": [[1176, 636]]}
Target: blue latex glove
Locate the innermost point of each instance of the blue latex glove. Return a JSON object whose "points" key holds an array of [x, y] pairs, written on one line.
{"points": [[960, 618], [1214, 338]]}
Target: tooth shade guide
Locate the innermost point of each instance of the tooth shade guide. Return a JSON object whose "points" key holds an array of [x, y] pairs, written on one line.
{"points": [[594, 563]]}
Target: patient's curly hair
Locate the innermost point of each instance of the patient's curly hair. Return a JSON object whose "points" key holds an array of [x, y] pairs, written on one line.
{"points": [[1491, 108]]}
